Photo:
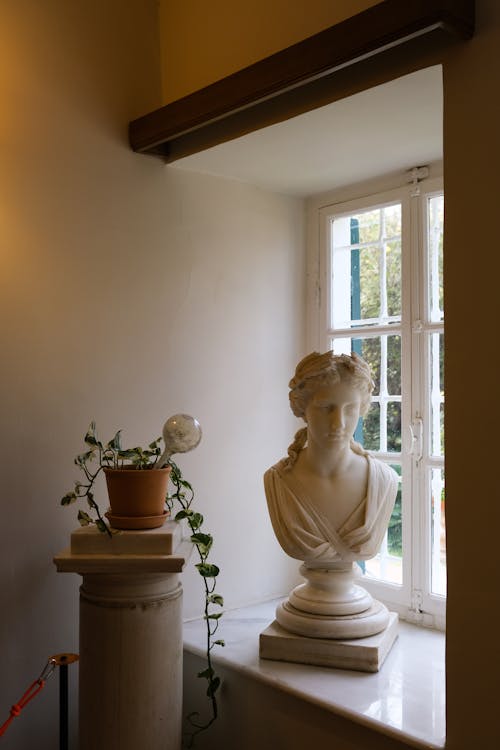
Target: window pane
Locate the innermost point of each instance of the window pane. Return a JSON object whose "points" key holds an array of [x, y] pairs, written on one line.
{"points": [[394, 427], [380, 430], [366, 268], [382, 353], [394, 365], [395, 530], [437, 393], [369, 284], [369, 225], [438, 533], [393, 270], [368, 432], [387, 565], [435, 228]]}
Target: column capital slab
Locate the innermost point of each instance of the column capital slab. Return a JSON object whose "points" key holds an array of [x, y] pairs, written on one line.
{"points": [[147, 551]]}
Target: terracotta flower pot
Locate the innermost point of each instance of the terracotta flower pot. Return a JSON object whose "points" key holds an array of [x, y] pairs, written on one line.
{"points": [[137, 497]]}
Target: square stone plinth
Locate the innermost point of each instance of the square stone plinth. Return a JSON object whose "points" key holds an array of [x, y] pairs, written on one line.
{"points": [[88, 540], [362, 654], [159, 550]]}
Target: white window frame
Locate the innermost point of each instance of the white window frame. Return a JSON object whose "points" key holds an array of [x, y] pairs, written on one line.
{"points": [[413, 599]]}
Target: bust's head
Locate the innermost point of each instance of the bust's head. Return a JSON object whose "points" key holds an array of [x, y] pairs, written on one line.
{"points": [[319, 370]]}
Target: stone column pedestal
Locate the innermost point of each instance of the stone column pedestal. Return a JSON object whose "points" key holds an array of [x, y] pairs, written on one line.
{"points": [[130, 670]]}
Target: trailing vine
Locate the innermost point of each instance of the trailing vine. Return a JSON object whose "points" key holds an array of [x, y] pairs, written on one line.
{"points": [[184, 495]]}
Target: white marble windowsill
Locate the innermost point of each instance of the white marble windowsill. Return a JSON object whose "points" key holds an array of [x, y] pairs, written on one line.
{"points": [[405, 700]]}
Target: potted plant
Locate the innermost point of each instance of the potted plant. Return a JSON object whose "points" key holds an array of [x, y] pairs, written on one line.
{"points": [[137, 488]]}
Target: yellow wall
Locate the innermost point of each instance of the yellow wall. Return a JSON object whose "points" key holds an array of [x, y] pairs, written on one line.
{"points": [[204, 41], [196, 50]]}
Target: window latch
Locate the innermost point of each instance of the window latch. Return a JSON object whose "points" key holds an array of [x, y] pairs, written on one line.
{"points": [[415, 437]]}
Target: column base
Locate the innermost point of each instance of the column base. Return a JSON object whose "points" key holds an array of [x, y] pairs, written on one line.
{"points": [[364, 654]]}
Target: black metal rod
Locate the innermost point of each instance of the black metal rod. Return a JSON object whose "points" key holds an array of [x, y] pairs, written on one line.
{"points": [[63, 707]]}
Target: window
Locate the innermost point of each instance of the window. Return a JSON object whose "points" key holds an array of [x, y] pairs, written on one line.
{"points": [[381, 295]]}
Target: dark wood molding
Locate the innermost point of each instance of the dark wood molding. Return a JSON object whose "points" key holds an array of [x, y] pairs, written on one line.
{"points": [[242, 101]]}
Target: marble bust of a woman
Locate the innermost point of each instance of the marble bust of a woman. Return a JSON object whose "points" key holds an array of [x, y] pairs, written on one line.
{"points": [[329, 501]]}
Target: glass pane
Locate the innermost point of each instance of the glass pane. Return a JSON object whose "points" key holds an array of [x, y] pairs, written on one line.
{"points": [[370, 350], [395, 530], [392, 221], [369, 283], [393, 271], [368, 432], [394, 365], [437, 393], [369, 225], [387, 565], [380, 429], [394, 427], [438, 533], [366, 268], [383, 354], [435, 229]]}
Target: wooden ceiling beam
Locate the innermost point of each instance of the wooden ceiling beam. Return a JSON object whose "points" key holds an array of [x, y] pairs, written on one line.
{"points": [[241, 101]]}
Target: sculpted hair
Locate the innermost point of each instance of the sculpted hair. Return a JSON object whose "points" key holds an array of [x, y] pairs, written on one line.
{"points": [[317, 370]]}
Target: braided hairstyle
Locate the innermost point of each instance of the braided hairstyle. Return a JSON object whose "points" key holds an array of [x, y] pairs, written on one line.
{"points": [[317, 370]]}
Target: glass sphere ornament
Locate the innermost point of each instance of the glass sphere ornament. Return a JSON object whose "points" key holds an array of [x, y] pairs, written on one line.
{"points": [[181, 433]]}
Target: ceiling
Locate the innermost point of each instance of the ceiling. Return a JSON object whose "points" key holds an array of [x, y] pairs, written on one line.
{"points": [[397, 125]]}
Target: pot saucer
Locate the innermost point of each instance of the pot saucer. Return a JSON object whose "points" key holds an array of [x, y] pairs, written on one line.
{"points": [[136, 522]]}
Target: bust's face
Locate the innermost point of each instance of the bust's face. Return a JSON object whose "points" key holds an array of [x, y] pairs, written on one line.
{"points": [[332, 414]]}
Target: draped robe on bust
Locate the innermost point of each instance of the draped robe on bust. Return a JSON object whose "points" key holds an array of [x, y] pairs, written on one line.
{"points": [[306, 534]]}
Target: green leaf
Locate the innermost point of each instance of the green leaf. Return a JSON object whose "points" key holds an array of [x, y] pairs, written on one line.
{"points": [[200, 538], [207, 571], [216, 599], [196, 520], [183, 514], [213, 687], [90, 437], [69, 498], [220, 642], [214, 617], [155, 444], [84, 518], [82, 459], [101, 526], [127, 453], [90, 499], [115, 443], [203, 540]]}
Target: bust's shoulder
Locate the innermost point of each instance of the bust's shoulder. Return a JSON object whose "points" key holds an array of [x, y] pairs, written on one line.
{"points": [[381, 473], [275, 472]]}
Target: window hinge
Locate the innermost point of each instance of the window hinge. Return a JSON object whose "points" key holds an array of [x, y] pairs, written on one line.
{"points": [[417, 326], [414, 176], [417, 602]]}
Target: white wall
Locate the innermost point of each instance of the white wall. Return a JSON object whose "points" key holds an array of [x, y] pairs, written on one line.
{"points": [[128, 291]]}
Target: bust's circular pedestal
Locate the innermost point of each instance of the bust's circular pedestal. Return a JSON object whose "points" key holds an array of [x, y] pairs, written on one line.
{"points": [[330, 591], [331, 605], [370, 622]]}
